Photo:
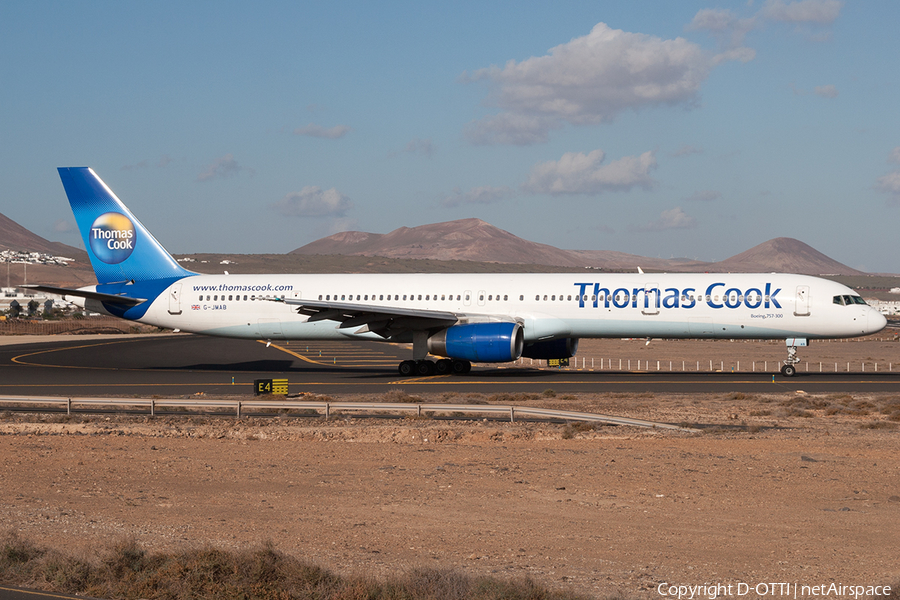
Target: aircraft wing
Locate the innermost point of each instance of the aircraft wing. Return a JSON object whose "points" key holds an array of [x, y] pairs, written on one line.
{"points": [[386, 321], [107, 298]]}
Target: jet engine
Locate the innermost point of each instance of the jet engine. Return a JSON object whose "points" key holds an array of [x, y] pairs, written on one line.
{"points": [[479, 342]]}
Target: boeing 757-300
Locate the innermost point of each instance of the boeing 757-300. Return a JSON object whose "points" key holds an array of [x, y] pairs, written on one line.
{"points": [[457, 318]]}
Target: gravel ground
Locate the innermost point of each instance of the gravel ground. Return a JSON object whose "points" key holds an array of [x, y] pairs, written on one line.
{"points": [[778, 488]]}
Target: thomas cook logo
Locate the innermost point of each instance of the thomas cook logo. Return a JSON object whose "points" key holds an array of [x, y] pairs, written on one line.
{"points": [[112, 238]]}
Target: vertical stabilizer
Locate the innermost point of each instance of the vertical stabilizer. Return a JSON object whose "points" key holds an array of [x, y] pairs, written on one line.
{"points": [[120, 247]]}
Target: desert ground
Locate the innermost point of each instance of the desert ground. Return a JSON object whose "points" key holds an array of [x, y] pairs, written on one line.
{"points": [[777, 487]]}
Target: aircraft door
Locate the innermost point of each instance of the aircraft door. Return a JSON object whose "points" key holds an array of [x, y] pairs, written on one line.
{"points": [[292, 308], [175, 299], [801, 302], [651, 299]]}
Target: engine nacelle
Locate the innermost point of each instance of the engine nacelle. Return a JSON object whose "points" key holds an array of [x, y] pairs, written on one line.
{"points": [[479, 342], [561, 348]]}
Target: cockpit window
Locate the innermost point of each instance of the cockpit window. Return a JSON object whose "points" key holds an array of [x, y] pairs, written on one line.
{"points": [[848, 300]]}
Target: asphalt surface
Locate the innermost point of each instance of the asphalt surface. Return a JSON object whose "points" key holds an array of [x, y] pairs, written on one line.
{"points": [[172, 365]]}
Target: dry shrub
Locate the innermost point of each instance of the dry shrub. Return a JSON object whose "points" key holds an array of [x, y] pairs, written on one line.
{"points": [[794, 412], [125, 570], [802, 403], [398, 395], [507, 398], [878, 425]]}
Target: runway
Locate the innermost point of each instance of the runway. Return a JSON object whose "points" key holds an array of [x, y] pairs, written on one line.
{"points": [[183, 364]]}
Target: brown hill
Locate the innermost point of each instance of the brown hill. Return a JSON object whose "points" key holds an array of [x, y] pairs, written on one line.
{"points": [[784, 255], [15, 237], [475, 240], [465, 239]]}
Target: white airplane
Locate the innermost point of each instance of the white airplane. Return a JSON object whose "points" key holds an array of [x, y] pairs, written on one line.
{"points": [[460, 318]]}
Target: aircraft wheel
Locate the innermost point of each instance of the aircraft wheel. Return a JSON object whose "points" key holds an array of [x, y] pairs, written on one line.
{"points": [[461, 367], [407, 368], [443, 366], [425, 367], [788, 370]]}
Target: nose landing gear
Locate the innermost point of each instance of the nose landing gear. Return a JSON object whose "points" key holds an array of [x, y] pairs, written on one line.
{"points": [[788, 369]]}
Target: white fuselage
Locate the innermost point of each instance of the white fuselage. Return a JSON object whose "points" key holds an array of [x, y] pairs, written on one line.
{"points": [[549, 306]]}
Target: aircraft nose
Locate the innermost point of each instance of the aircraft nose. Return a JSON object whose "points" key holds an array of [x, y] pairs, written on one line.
{"points": [[877, 321]]}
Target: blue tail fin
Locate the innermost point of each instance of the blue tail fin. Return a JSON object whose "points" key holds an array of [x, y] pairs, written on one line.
{"points": [[120, 247]]}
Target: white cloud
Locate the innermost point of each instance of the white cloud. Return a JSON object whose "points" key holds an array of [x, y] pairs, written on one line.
{"points": [[313, 201], [331, 133], [890, 183], [724, 25], [820, 12], [578, 173], [674, 218], [588, 80], [477, 195], [894, 156], [223, 168], [730, 30], [420, 147], [826, 91], [704, 196]]}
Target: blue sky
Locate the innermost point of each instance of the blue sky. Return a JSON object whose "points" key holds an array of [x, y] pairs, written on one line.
{"points": [[670, 129]]}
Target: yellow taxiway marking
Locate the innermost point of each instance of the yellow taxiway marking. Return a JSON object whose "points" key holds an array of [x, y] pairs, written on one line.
{"points": [[292, 353], [17, 359]]}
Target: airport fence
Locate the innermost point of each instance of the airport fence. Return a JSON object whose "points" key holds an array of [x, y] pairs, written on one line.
{"points": [[86, 326], [583, 363]]}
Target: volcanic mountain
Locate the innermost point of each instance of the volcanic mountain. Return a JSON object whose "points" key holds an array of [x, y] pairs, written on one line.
{"points": [[784, 255], [15, 237], [476, 240]]}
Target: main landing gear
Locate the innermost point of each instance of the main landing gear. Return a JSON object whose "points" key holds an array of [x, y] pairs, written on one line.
{"points": [[422, 366], [788, 369], [426, 367]]}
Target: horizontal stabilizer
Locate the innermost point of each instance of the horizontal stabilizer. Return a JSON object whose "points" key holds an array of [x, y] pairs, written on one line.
{"points": [[100, 297]]}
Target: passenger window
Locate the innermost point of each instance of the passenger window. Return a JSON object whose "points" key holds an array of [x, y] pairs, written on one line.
{"points": [[442, 297], [229, 297], [553, 297], [569, 298], [545, 297], [381, 297], [481, 298], [521, 297], [505, 297]]}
